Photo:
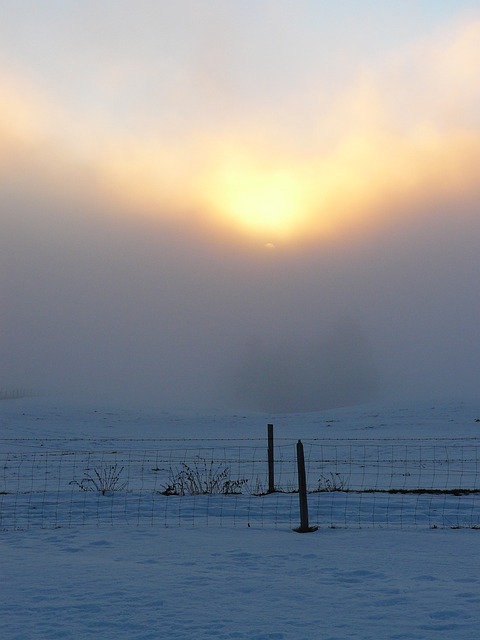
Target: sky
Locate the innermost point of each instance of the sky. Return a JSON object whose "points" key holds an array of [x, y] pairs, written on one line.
{"points": [[268, 205]]}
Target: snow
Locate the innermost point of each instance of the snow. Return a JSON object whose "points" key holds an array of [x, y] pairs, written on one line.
{"points": [[156, 582], [230, 583]]}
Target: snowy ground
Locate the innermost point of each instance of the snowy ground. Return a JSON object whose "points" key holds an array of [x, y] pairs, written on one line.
{"points": [[237, 582]]}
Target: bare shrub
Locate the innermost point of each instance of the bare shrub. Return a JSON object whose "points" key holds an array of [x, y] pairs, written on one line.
{"points": [[331, 482], [200, 478], [104, 480]]}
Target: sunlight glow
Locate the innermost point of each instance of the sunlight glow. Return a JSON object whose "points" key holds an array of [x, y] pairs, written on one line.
{"points": [[389, 142], [271, 203]]}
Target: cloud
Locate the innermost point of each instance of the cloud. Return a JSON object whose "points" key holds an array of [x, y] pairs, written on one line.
{"points": [[393, 136], [406, 131]]}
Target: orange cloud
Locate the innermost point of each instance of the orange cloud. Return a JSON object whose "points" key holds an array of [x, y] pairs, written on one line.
{"points": [[408, 132], [394, 137]]}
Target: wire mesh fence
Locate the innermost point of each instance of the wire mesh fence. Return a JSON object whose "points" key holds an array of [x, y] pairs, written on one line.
{"points": [[350, 483]]}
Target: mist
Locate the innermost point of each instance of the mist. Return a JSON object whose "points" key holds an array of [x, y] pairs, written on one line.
{"points": [[116, 309], [200, 208], [294, 375]]}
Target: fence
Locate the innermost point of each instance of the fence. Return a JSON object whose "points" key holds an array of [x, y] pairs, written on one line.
{"points": [[350, 483], [14, 394]]}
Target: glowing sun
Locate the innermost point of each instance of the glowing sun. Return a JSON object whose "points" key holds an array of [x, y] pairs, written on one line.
{"points": [[268, 204]]}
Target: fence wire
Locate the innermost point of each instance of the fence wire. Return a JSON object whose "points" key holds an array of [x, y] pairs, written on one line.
{"points": [[351, 483]]}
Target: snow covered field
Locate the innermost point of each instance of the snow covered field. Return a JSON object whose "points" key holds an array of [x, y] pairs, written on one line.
{"points": [[149, 582]]}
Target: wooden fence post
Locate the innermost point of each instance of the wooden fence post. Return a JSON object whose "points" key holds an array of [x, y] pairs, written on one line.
{"points": [[302, 492], [271, 463]]}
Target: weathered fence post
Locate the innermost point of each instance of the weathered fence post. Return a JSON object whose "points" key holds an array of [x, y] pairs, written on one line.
{"points": [[302, 492], [271, 463]]}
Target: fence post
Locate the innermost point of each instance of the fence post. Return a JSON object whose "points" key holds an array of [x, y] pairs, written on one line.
{"points": [[302, 492], [271, 463]]}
